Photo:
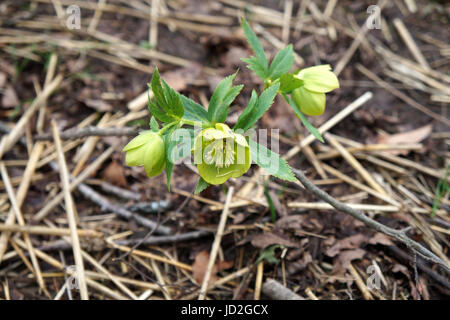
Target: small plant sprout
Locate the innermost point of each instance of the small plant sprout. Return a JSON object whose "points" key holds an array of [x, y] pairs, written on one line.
{"points": [[221, 152]]}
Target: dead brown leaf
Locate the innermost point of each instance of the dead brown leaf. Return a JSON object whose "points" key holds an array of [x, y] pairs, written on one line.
{"points": [[115, 174], [380, 238], [290, 222], [352, 242], [9, 98], [300, 264], [413, 136], [201, 265], [344, 258], [266, 239]]}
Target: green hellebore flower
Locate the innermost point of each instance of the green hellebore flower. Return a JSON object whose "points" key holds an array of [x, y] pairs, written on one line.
{"points": [[317, 81], [221, 154], [147, 149]]}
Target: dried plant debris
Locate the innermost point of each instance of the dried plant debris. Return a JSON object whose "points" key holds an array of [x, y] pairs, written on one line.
{"points": [[385, 153]]}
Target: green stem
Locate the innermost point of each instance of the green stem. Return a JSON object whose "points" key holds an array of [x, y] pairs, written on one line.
{"points": [[195, 123], [168, 126]]}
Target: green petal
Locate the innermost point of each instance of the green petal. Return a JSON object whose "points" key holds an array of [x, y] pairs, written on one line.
{"points": [[158, 168], [224, 128], [213, 175], [319, 79], [240, 139], [135, 157], [240, 169], [310, 103], [154, 157], [198, 148], [210, 172], [138, 141]]}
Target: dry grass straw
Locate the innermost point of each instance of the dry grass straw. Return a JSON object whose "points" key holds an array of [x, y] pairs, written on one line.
{"points": [[71, 215], [216, 245], [380, 175]]}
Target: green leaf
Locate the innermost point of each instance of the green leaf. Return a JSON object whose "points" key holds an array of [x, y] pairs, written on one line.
{"points": [[221, 99], [258, 68], [157, 112], [304, 120], [441, 189], [193, 111], [289, 82], [255, 44], [271, 161], [171, 142], [157, 89], [268, 254], [244, 118], [256, 107], [154, 124], [173, 100], [167, 105], [270, 202], [282, 62], [169, 164], [313, 130], [201, 185]]}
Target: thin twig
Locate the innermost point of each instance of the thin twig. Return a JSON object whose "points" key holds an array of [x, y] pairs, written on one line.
{"points": [[215, 246], [107, 206], [77, 133], [166, 239], [277, 291], [397, 234], [399, 253]]}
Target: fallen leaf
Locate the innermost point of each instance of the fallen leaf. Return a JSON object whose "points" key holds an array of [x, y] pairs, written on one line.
{"points": [[290, 222], [413, 136], [9, 98], [115, 174], [299, 265], [201, 265], [342, 261], [266, 239], [352, 242], [380, 238]]}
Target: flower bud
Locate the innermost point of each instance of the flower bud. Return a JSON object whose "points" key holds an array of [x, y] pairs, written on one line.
{"points": [[317, 81], [147, 149], [221, 154]]}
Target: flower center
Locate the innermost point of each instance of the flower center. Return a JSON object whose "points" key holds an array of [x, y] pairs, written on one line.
{"points": [[220, 153]]}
